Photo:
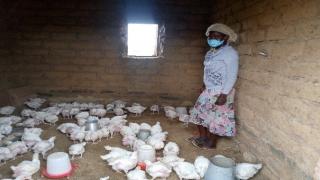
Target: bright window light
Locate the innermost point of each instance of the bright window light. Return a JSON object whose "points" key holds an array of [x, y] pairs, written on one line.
{"points": [[142, 39]]}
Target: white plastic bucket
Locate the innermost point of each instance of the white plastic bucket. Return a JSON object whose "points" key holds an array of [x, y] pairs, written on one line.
{"points": [[220, 168], [146, 152], [58, 163]]}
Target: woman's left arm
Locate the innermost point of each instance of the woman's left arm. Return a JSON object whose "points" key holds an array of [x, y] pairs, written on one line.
{"points": [[232, 66]]}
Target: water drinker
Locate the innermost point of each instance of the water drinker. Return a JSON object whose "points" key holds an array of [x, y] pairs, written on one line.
{"points": [[220, 168], [58, 166], [92, 125], [146, 152]]}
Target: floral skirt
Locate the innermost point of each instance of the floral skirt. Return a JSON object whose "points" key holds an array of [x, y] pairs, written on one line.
{"points": [[220, 120]]}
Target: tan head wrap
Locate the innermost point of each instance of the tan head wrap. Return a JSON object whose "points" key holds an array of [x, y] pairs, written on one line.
{"points": [[224, 29]]}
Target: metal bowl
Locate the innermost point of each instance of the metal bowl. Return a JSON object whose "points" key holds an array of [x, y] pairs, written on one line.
{"points": [[92, 125], [143, 134]]}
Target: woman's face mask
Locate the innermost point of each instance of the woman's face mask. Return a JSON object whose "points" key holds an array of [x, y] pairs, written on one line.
{"points": [[215, 42]]}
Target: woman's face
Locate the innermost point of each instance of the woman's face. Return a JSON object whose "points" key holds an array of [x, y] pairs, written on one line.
{"points": [[218, 36]]}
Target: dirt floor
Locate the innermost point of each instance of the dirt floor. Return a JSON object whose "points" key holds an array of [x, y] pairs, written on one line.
{"points": [[92, 167]]}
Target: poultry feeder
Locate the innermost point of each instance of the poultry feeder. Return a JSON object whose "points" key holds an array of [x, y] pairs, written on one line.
{"points": [[58, 166], [92, 125], [221, 168], [143, 134], [146, 152]]}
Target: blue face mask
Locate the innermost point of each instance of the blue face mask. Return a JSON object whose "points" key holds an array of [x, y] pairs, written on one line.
{"points": [[215, 42]]}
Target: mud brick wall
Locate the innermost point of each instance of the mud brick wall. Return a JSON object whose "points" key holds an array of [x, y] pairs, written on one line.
{"points": [[278, 100], [72, 47]]}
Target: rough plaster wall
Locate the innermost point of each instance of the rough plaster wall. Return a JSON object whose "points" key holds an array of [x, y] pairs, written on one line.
{"points": [[72, 47], [278, 100]]}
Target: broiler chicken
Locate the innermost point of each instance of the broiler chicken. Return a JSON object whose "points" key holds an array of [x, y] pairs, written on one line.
{"points": [[103, 122], [201, 164], [78, 135], [114, 153], [157, 169], [170, 160], [5, 129], [30, 138], [171, 114], [137, 174], [171, 148], [125, 163], [126, 131], [27, 168], [246, 170], [51, 119], [137, 109], [155, 108], [28, 113], [77, 149], [64, 126], [18, 148], [91, 136], [118, 111], [44, 146], [98, 112], [7, 110], [156, 128], [6, 154], [185, 170], [135, 127], [82, 115]]}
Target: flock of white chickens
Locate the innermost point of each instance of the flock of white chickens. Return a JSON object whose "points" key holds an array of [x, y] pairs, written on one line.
{"points": [[120, 159]]}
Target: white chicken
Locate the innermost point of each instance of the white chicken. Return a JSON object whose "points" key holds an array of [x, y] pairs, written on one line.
{"points": [[44, 146], [170, 160], [82, 115], [125, 163], [135, 127], [81, 121], [157, 140], [171, 148], [115, 153], [28, 113], [6, 154], [185, 170], [201, 164], [30, 139], [7, 110], [51, 119], [184, 118], [27, 168], [77, 149], [246, 170], [126, 131], [118, 111], [109, 107], [137, 109], [119, 104], [10, 120], [103, 122], [145, 126], [171, 114], [30, 122], [35, 103], [78, 135], [156, 128], [166, 108], [155, 108], [129, 140], [136, 174], [5, 129], [105, 178], [157, 169], [64, 126], [18, 148], [98, 112], [36, 131], [52, 110], [91, 136], [103, 133]]}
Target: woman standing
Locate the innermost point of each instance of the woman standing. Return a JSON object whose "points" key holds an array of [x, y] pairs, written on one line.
{"points": [[213, 112]]}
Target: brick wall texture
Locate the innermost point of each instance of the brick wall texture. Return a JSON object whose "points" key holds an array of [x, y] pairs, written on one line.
{"points": [[74, 47], [278, 100]]}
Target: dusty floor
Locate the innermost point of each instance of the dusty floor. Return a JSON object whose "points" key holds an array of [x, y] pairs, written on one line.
{"points": [[92, 167]]}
